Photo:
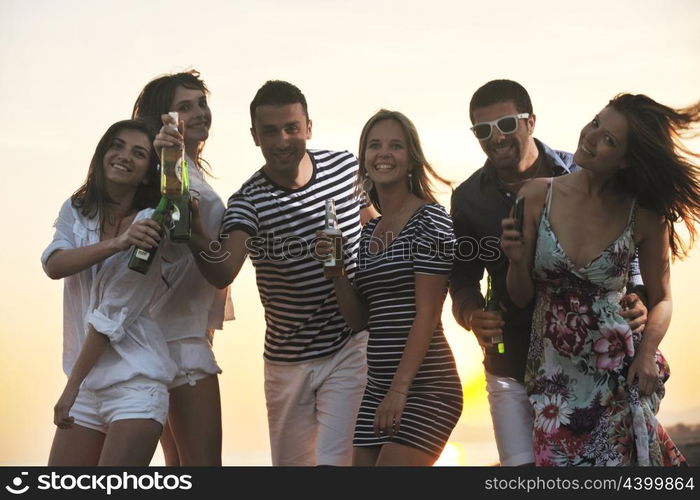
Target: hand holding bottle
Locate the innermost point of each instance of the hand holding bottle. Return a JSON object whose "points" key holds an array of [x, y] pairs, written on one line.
{"points": [[169, 135], [198, 230], [331, 244], [143, 234], [486, 325]]}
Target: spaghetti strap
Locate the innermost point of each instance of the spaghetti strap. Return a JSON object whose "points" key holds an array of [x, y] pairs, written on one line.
{"points": [[633, 212], [550, 181]]}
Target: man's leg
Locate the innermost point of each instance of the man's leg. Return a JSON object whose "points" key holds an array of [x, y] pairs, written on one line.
{"points": [[511, 414], [291, 415], [338, 400]]}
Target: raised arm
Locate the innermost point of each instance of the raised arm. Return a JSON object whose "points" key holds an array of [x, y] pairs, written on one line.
{"points": [[218, 259], [520, 248], [66, 262]]}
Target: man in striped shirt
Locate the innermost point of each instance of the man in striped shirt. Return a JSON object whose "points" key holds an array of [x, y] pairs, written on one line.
{"points": [[315, 366]]}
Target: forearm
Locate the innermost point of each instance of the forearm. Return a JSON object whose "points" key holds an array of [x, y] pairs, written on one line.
{"points": [[657, 325], [520, 286], [351, 306], [218, 268], [464, 302], [93, 347], [64, 263], [417, 344]]}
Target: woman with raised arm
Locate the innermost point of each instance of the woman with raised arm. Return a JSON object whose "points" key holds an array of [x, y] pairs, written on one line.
{"points": [[193, 308], [115, 402], [413, 397], [595, 386]]}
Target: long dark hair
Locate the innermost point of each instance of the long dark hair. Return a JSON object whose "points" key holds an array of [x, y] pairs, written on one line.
{"points": [[421, 182], [157, 96], [92, 197], [662, 174]]}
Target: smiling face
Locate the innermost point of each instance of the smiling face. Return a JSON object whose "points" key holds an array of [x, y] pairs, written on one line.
{"points": [[386, 158], [281, 132], [506, 151], [127, 159], [603, 142], [193, 108]]}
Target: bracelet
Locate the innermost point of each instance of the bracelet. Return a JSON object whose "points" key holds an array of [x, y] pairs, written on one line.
{"points": [[399, 392]]}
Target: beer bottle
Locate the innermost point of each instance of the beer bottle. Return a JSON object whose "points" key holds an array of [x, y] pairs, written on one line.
{"points": [[181, 225], [141, 259], [333, 266], [492, 305], [171, 166]]}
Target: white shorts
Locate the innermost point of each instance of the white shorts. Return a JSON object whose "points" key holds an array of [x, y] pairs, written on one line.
{"points": [[512, 417], [194, 359], [139, 397], [312, 406]]}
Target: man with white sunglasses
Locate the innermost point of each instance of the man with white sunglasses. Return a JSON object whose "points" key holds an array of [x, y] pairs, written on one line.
{"points": [[503, 122]]}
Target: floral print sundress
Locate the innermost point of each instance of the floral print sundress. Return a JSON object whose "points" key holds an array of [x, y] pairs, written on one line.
{"points": [[580, 351]]}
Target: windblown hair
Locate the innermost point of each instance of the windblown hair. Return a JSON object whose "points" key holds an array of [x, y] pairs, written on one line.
{"points": [[91, 198], [497, 91], [157, 97], [277, 93], [663, 173], [423, 175]]}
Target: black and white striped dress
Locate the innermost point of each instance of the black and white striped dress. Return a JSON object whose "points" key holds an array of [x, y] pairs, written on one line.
{"points": [[386, 281]]}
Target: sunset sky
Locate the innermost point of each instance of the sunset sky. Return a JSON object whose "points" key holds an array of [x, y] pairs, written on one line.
{"points": [[72, 68]]}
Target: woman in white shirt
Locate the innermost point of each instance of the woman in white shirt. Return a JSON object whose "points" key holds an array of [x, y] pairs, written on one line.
{"points": [[115, 402], [192, 308]]}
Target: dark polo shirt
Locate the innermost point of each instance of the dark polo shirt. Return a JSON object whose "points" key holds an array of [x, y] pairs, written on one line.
{"points": [[478, 206]]}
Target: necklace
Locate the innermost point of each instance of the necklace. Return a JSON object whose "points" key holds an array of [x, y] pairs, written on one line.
{"points": [[111, 221]]}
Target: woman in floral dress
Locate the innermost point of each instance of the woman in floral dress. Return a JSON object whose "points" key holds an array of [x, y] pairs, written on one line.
{"points": [[594, 385]]}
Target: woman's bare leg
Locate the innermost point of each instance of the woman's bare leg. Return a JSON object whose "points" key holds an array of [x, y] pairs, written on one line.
{"points": [[130, 442], [365, 456], [78, 447], [195, 421], [169, 447], [394, 454]]}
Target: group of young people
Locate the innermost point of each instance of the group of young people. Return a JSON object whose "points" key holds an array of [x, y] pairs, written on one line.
{"points": [[357, 367]]}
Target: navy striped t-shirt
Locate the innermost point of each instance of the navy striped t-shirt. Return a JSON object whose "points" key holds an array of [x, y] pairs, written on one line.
{"points": [[301, 312]]}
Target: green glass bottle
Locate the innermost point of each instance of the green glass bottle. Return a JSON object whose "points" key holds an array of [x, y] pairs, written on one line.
{"points": [[493, 306], [141, 259], [181, 223], [171, 166]]}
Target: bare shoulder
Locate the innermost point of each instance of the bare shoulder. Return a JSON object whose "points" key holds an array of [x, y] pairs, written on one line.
{"points": [[648, 223], [535, 190]]}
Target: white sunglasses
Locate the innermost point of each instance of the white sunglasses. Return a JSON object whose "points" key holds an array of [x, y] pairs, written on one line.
{"points": [[506, 124]]}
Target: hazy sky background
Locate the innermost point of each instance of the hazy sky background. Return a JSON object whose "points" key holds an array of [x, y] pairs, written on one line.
{"points": [[72, 68]]}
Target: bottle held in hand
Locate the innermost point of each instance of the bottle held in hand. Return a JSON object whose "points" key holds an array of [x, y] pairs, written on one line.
{"points": [[333, 266], [171, 167], [181, 216], [141, 259], [492, 305]]}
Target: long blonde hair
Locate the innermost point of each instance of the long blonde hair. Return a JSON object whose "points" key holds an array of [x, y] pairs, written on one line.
{"points": [[424, 176]]}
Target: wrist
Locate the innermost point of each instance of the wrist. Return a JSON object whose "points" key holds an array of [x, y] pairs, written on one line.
{"points": [[114, 245], [404, 394], [400, 387]]}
